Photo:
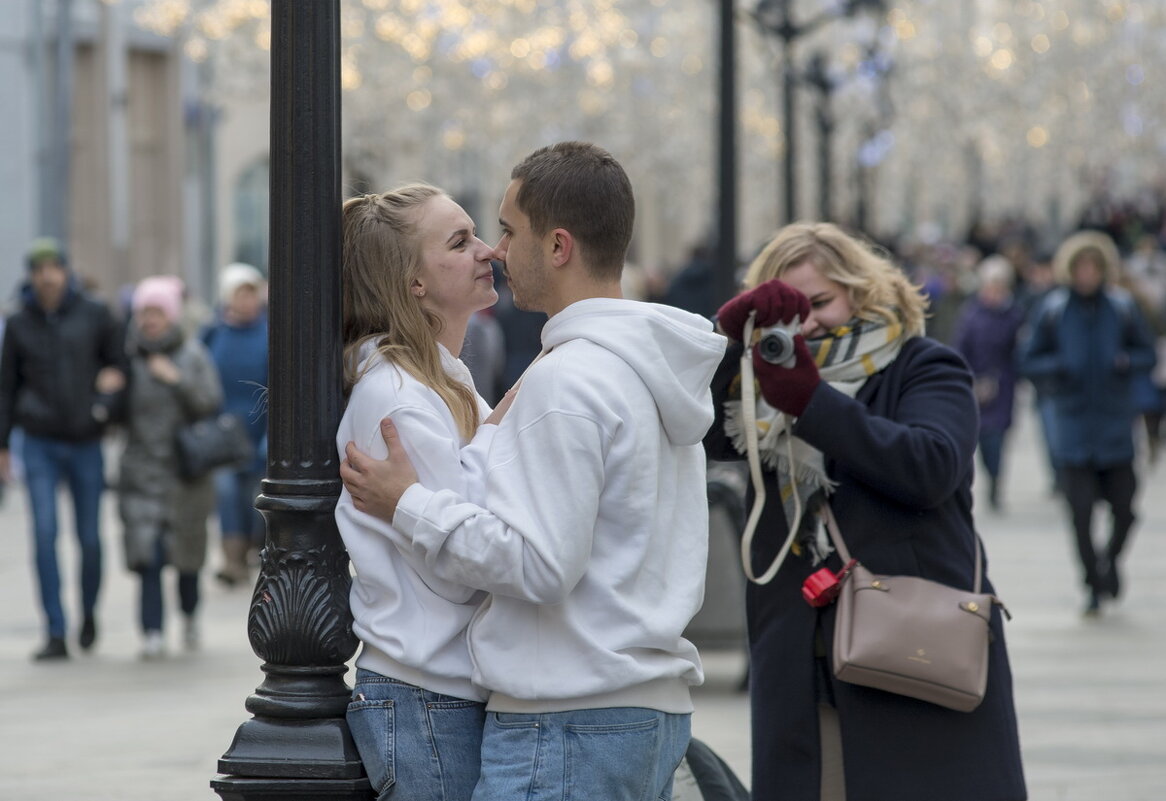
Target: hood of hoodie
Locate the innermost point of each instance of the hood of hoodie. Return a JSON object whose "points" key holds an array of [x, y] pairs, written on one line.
{"points": [[673, 351]]}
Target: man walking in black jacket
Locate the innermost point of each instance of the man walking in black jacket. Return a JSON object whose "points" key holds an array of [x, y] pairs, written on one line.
{"points": [[63, 361]]}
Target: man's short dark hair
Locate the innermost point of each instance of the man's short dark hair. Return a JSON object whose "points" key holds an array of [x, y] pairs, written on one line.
{"points": [[582, 188]]}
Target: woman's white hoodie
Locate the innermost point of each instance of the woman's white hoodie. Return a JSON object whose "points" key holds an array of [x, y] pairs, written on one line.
{"points": [[411, 622]]}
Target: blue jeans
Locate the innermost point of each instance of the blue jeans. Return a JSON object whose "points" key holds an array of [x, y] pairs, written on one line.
{"points": [[416, 745], [235, 492], [615, 754], [46, 462]]}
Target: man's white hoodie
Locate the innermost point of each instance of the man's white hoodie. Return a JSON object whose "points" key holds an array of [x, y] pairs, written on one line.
{"points": [[593, 535], [411, 622]]}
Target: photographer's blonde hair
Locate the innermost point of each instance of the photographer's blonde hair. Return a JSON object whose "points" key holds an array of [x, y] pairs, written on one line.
{"points": [[381, 258], [878, 289]]}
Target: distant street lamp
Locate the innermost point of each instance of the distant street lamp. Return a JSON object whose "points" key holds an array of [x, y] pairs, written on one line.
{"points": [[775, 17], [725, 280], [818, 77]]}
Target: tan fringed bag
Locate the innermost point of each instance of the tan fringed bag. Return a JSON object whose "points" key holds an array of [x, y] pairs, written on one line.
{"points": [[911, 636]]}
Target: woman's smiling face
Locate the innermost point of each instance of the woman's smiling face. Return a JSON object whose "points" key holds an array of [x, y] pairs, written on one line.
{"points": [[830, 304]]}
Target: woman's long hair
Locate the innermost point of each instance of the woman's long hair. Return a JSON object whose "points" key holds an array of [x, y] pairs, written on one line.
{"points": [[878, 289], [381, 259]]}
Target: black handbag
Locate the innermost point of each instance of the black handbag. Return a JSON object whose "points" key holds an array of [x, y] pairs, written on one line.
{"points": [[218, 441]]}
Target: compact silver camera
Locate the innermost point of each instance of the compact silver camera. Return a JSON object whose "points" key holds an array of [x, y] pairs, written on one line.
{"points": [[776, 345]]}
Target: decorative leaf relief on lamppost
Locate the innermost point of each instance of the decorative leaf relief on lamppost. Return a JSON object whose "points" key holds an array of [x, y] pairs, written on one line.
{"points": [[299, 616]]}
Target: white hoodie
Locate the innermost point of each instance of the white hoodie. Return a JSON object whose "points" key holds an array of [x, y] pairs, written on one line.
{"points": [[594, 536], [411, 622]]}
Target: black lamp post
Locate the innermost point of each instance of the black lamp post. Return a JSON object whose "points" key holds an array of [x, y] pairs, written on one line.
{"points": [[297, 744], [725, 282], [775, 17]]}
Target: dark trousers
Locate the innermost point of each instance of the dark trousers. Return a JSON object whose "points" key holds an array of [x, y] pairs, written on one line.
{"points": [[1084, 485], [151, 607]]}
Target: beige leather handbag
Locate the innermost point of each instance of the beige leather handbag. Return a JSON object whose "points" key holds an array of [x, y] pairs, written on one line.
{"points": [[912, 636]]}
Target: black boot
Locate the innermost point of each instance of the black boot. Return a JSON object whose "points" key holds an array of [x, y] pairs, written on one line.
{"points": [[88, 634], [53, 649]]}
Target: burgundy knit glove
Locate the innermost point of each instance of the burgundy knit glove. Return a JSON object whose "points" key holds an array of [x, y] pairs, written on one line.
{"points": [[788, 389], [775, 302]]}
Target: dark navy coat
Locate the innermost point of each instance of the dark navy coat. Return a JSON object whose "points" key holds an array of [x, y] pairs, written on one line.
{"points": [[1085, 352], [901, 454]]}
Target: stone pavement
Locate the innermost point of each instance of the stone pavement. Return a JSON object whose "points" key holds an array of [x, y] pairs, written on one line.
{"points": [[1091, 694]]}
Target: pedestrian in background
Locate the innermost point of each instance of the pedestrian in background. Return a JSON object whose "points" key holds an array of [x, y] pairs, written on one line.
{"points": [[885, 430], [1086, 344], [237, 342], [986, 335], [164, 517], [62, 369]]}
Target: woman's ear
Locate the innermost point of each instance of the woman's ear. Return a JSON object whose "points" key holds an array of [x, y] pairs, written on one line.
{"points": [[417, 288]]}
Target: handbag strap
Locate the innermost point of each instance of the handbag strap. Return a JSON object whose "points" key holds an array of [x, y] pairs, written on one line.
{"points": [[840, 546]]}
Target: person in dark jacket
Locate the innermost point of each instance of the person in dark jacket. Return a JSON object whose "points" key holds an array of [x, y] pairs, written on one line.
{"points": [[885, 432], [986, 336], [237, 342], [62, 366], [1087, 344]]}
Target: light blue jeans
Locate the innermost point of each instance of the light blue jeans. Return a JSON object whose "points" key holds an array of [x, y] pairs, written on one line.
{"points": [[614, 754], [416, 745], [81, 466]]}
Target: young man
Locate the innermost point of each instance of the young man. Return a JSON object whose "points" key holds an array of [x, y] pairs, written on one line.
{"points": [[63, 356], [1087, 343], [592, 538]]}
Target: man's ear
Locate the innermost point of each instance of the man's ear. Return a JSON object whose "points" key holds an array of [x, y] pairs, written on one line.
{"points": [[562, 246]]}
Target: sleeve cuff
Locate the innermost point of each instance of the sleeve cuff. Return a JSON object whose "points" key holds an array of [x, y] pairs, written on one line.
{"points": [[410, 508]]}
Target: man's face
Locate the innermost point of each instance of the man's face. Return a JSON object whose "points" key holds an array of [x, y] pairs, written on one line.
{"points": [[49, 279], [522, 254], [1086, 274]]}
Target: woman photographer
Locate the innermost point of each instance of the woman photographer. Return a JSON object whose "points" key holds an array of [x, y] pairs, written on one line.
{"points": [[884, 428]]}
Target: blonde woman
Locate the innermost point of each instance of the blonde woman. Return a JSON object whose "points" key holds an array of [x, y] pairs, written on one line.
{"points": [[413, 273], [884, 426]]}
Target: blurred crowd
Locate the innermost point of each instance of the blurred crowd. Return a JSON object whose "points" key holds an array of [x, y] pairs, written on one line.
{"points": [[94, 394], [986, 295]]}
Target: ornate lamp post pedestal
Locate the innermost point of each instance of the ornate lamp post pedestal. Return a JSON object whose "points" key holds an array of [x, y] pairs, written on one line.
{"points": [[297, 745]]}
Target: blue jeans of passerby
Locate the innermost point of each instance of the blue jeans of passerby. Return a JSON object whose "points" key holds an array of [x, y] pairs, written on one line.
{"points": [[416, 745], [82, 466], [615, 754], [235, 492], [152, 606]]}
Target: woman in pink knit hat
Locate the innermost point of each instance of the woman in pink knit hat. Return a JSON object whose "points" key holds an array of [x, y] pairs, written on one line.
{"points": [[172, 381]]}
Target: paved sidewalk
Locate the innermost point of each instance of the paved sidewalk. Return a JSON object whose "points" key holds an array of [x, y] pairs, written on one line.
{"points": [[1091, 693]]}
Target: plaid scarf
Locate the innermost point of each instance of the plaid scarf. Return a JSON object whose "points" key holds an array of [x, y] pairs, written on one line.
{"points": [[846, 358]]}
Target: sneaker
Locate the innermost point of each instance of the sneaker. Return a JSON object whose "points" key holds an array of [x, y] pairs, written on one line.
{"points": [[53, 649], [191, 636], [153, 647], [88, 634], [1093, 605]]}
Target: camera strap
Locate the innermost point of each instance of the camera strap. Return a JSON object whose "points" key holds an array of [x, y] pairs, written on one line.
{"points": [[749, 415]]}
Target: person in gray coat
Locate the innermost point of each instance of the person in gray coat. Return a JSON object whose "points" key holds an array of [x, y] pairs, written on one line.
{"points": [[172, 381]]}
